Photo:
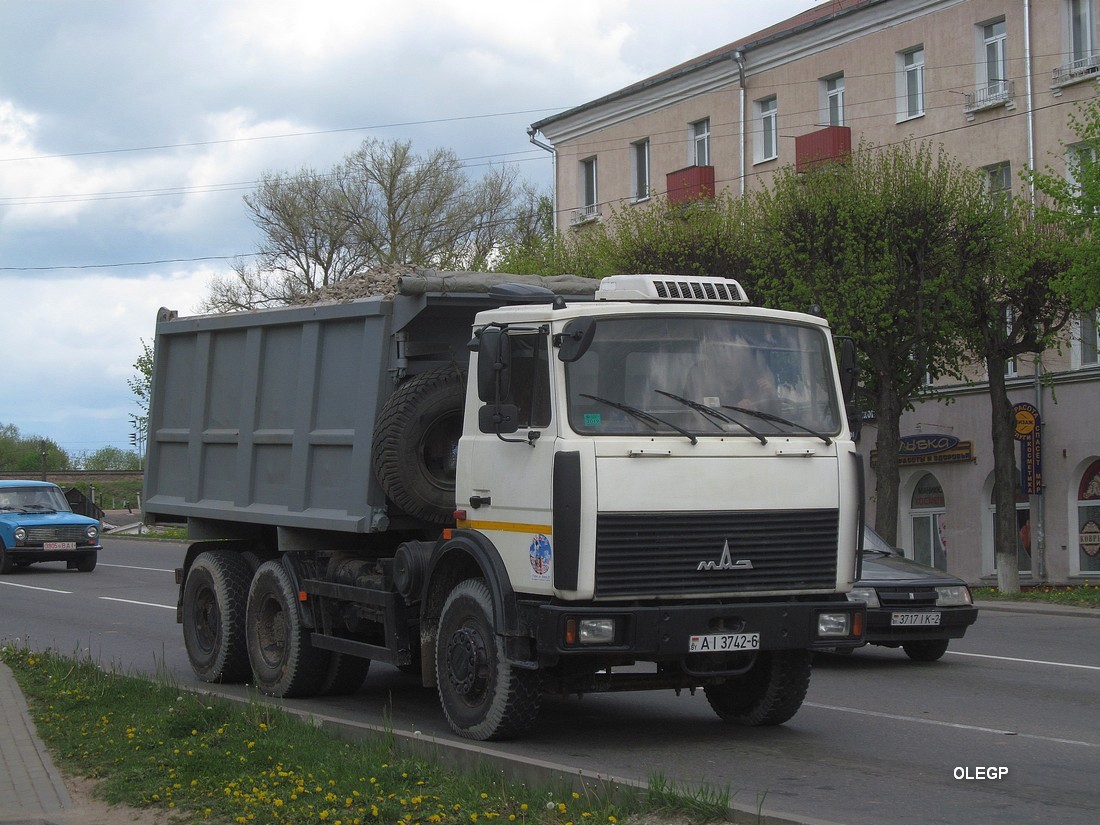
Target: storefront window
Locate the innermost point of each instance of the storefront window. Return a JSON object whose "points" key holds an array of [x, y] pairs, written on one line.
{"points": [[929, 523], [1088, 521], [1023, 533]]}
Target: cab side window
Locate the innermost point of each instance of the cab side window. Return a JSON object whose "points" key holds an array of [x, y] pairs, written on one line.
{"points": [[531, 379]]}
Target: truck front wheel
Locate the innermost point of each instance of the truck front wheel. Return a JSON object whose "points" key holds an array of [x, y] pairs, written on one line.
{"points": [[284, 662], [214, 598], [482, 695], [770, 693]]}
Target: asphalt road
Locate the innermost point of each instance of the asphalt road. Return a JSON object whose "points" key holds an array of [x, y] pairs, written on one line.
{"points": [[1002, 730]]}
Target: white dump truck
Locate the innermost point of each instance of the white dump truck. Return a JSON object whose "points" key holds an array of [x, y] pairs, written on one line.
{"points": [[512, 488]]}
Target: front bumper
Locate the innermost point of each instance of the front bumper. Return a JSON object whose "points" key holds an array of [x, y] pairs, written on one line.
{"points": [[33, 555], [953, 624], [662, 633]]}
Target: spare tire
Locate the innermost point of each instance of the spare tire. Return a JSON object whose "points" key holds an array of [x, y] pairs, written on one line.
{"points": [[415, 449]]}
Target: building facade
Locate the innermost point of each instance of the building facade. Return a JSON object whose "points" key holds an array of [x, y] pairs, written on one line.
{"points": [[994, 82]]}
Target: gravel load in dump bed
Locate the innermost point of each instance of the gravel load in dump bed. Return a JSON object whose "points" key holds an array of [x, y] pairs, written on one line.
{"points": [[409, 280]]}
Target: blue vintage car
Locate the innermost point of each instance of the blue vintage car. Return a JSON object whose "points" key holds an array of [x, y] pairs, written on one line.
{"points": [[37, 524]]}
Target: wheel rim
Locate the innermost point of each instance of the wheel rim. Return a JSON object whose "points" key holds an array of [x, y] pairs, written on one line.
{"points": [[439, 450], [468, 661], [207, 620], [272, 632]]}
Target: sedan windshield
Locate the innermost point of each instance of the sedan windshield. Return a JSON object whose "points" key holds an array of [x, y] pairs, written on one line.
{"points": [[703, 376], [32, 499]]}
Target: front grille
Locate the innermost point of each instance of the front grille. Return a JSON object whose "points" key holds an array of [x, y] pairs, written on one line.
{"points": [[662, 553], [906, 597], [60, 532]]}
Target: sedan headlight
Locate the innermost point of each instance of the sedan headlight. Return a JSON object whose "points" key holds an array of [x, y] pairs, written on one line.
{"points": [[864, 594], [92, 532], [20, 534], [953, 595]]}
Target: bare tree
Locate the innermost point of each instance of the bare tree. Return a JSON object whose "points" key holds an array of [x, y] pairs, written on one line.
{"points": [[382, 205]]}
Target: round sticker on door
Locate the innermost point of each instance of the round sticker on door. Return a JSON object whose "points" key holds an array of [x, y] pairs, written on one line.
{"points": [[541, 558]]}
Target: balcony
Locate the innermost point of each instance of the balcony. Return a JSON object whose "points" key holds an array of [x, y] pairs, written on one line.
{"points": [[829, 145], [990, 96], [1086, 68], [585, 214], [690, 184]]}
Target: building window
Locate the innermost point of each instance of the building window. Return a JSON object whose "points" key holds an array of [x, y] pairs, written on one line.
{"points": [[928, 510], [1088, 521], [1012, 365], [999, 182], [833, 89], [911, 85], [1081, 30], [700, 141], [1089, 338], [996, 63], [1079, 160], [641, 169], [1023, 533], [768, 111], [590, 205]]}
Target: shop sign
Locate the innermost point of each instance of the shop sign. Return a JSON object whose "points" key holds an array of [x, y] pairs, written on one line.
{"points": [[1090, 538], [1028, 432], [930, 448]]}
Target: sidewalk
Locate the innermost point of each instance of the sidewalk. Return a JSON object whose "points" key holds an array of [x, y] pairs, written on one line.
{"points": [[30, 786]]}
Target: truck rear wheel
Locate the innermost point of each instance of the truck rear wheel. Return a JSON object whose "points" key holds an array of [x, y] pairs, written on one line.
{"points": [[768, 694], [416, 443], [482, 695], [214, 599], [284, 662]]}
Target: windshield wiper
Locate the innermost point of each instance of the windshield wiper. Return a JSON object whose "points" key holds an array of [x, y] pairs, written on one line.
{"points": [[710, 413], [38, 508], [769, 417], [642, 415]]}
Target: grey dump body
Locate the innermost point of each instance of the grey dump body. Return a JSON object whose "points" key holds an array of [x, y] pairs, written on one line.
{"points": [[266, 417]]}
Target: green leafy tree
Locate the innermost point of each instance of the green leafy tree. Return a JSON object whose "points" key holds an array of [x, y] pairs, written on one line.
{"points": [[1012, 308], [30, 455], [112, 458], [1072, 202], [141, 385], [884, 244]]}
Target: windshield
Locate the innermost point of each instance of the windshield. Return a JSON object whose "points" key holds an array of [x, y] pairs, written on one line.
{"points": [[707, 376], [32, 499]]}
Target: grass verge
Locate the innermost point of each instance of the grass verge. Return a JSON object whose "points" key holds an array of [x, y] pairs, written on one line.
{"points": [[1086, 595], [148, 744]]}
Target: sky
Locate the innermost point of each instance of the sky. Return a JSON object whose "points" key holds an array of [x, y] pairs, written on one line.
{"points": [[131, 130]]}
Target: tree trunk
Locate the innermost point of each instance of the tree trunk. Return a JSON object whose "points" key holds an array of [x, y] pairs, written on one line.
{"points": [[1005, 478], [887, 477]]}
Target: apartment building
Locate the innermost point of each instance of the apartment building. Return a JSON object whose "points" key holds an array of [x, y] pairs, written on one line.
{"points": [[994, 82]]}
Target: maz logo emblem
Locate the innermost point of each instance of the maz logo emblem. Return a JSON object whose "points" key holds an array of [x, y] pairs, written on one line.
{"points": [[726, 562]]}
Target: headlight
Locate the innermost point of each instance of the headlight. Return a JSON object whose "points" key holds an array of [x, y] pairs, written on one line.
{"points": [[864, 594], [834, 624], [92, 532], [20, 535], [953, 595], [589, 631]]}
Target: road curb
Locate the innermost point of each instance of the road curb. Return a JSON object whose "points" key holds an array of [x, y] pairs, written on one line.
{"points": [[1040, 608]]}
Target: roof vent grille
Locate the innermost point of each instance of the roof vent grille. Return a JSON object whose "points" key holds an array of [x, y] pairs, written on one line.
{"points": [[669, 288]]}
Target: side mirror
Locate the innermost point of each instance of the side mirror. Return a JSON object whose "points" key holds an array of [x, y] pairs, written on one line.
{"points": [[494, 360], [498, 418], [576, 339], [849, 384]]}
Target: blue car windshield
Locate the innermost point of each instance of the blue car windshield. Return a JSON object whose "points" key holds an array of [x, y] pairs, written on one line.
{"points": [[32, 499]]}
